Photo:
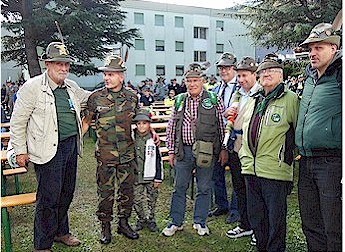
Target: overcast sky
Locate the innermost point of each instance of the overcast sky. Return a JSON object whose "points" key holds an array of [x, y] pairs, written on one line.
{"points": [[216, 4]]}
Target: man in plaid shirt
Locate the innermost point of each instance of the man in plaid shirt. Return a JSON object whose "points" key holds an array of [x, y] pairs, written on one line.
{"points": [[196, 120]]}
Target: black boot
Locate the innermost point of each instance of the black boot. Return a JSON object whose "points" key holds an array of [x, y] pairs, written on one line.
{"points": [[105, 233], [140, 225], [125, 229]]}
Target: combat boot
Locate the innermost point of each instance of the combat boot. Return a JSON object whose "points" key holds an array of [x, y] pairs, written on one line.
{"points": [[125, 229], [105, 233]]}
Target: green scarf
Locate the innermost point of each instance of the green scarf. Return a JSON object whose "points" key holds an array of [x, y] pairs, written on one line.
{"points": [[261, 106]]}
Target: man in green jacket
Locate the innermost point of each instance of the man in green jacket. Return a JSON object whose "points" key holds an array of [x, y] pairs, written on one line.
{"points": [[318, 138], [267, 155]]}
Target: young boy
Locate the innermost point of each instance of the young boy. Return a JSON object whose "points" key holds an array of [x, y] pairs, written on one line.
{"points": [[149, 173]]}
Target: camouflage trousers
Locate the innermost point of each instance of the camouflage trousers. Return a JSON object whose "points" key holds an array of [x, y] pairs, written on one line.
{"points": [[145, 194], [107, 174]]}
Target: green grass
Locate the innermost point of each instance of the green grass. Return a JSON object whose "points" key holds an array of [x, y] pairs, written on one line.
{"points": [[86, 227]]}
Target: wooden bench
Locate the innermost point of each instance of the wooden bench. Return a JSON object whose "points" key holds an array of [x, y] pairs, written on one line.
{"points": [[12, 201], [10, 172], [14, 171]]}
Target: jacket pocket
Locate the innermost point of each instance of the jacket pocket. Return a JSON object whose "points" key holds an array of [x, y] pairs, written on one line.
{"points": [[275, 115]]}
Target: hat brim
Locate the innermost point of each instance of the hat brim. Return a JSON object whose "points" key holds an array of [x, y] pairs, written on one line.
{"points": [[251, 69], [60, 59], [193, 76], [141, 118], [223, 62], [110, 69], [331, 39], [268, 65]]}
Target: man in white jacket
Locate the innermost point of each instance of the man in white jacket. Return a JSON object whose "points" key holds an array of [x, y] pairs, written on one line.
{"points": [[46, 130]]}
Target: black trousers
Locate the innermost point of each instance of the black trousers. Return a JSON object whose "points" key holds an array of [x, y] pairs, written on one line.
{"points": [[56, 184], [239, 187]]}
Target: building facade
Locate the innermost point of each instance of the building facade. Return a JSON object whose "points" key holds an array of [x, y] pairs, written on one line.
{"points": [[173, 36]]}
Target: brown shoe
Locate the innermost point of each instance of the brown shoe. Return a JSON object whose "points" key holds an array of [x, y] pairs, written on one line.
{"points": [[68, 240]]}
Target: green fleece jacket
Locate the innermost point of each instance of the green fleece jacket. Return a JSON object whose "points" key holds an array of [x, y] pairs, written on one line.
{"points": [[273, 156]]}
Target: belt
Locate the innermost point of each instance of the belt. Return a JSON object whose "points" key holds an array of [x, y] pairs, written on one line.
{"points": [[326, 152]]}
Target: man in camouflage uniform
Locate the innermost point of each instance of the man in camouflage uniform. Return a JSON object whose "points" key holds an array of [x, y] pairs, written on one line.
{"points": [[113, 108]]}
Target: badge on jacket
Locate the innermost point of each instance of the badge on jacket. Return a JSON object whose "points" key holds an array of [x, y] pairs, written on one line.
{"points": [[275, 117], [207, 104]]}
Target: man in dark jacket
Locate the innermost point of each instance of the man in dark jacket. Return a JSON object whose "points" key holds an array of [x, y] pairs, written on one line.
{"points": [[318, 137]]}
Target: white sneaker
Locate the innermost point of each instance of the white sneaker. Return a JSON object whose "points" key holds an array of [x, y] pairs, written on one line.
{"points": [[171, 229], [253, 240], [238, 232], [202, 229]]}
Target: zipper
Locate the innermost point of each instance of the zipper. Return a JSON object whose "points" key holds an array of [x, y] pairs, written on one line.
{"points": [[280, 154], [306, 112]]}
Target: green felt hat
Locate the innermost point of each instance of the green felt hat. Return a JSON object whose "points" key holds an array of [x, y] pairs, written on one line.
{"points": [[57, 51], [322, 32]]}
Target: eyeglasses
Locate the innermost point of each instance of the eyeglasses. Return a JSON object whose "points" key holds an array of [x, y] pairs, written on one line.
{"points": [[270, 70], [221, 68]]}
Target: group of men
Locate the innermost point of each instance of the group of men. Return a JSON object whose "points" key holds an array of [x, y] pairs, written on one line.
{"points": [[263, 125]]}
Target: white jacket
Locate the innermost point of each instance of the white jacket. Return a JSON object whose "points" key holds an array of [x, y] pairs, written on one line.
{"points": [[34, 126]]}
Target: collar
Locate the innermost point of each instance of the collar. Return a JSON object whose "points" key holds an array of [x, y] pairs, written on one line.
{"points": [[231, 82], [251, 91], [52, 84]]}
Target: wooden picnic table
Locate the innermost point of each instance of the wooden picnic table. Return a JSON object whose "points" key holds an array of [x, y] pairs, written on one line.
{"points": [[162, 125], [5, 135], [161, 117], [5, 125], [3, 156], [161, 110], [161, 106]]}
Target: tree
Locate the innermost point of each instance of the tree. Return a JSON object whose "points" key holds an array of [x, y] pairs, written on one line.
{"points": [[285, 24], [89, 28]]}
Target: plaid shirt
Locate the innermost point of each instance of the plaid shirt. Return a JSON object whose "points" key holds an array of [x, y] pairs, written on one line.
{"points": [[189, 118]]}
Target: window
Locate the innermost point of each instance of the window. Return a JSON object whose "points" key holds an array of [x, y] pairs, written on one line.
{"points": [[199, 56], [159, 45], [200, 32], [160, 70], [138, 18], [179, 46], [139, 44], [179, 70], [179, 22], [219, 48], [140, 70], [220, 25], [159, 20]]}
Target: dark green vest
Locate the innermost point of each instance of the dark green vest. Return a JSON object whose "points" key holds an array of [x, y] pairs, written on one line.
{"points": [[207, 126]]}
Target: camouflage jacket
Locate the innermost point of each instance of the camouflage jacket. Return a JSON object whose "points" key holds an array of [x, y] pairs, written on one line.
{"points": [[113, 113]]}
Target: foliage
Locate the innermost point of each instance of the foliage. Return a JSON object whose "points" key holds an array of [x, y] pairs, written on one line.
{"points": [[294, 68], [284, 24], [85, 226], [89, 27]]}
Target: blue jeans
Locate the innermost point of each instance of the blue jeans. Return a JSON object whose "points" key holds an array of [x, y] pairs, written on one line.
{"points": [[220, 191], [267, 210], [320, 201], [219, 187], [56, 183], [183, 175]]}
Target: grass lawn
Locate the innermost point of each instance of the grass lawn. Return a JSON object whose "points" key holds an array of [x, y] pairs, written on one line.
{"points": [[86, 227]]}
